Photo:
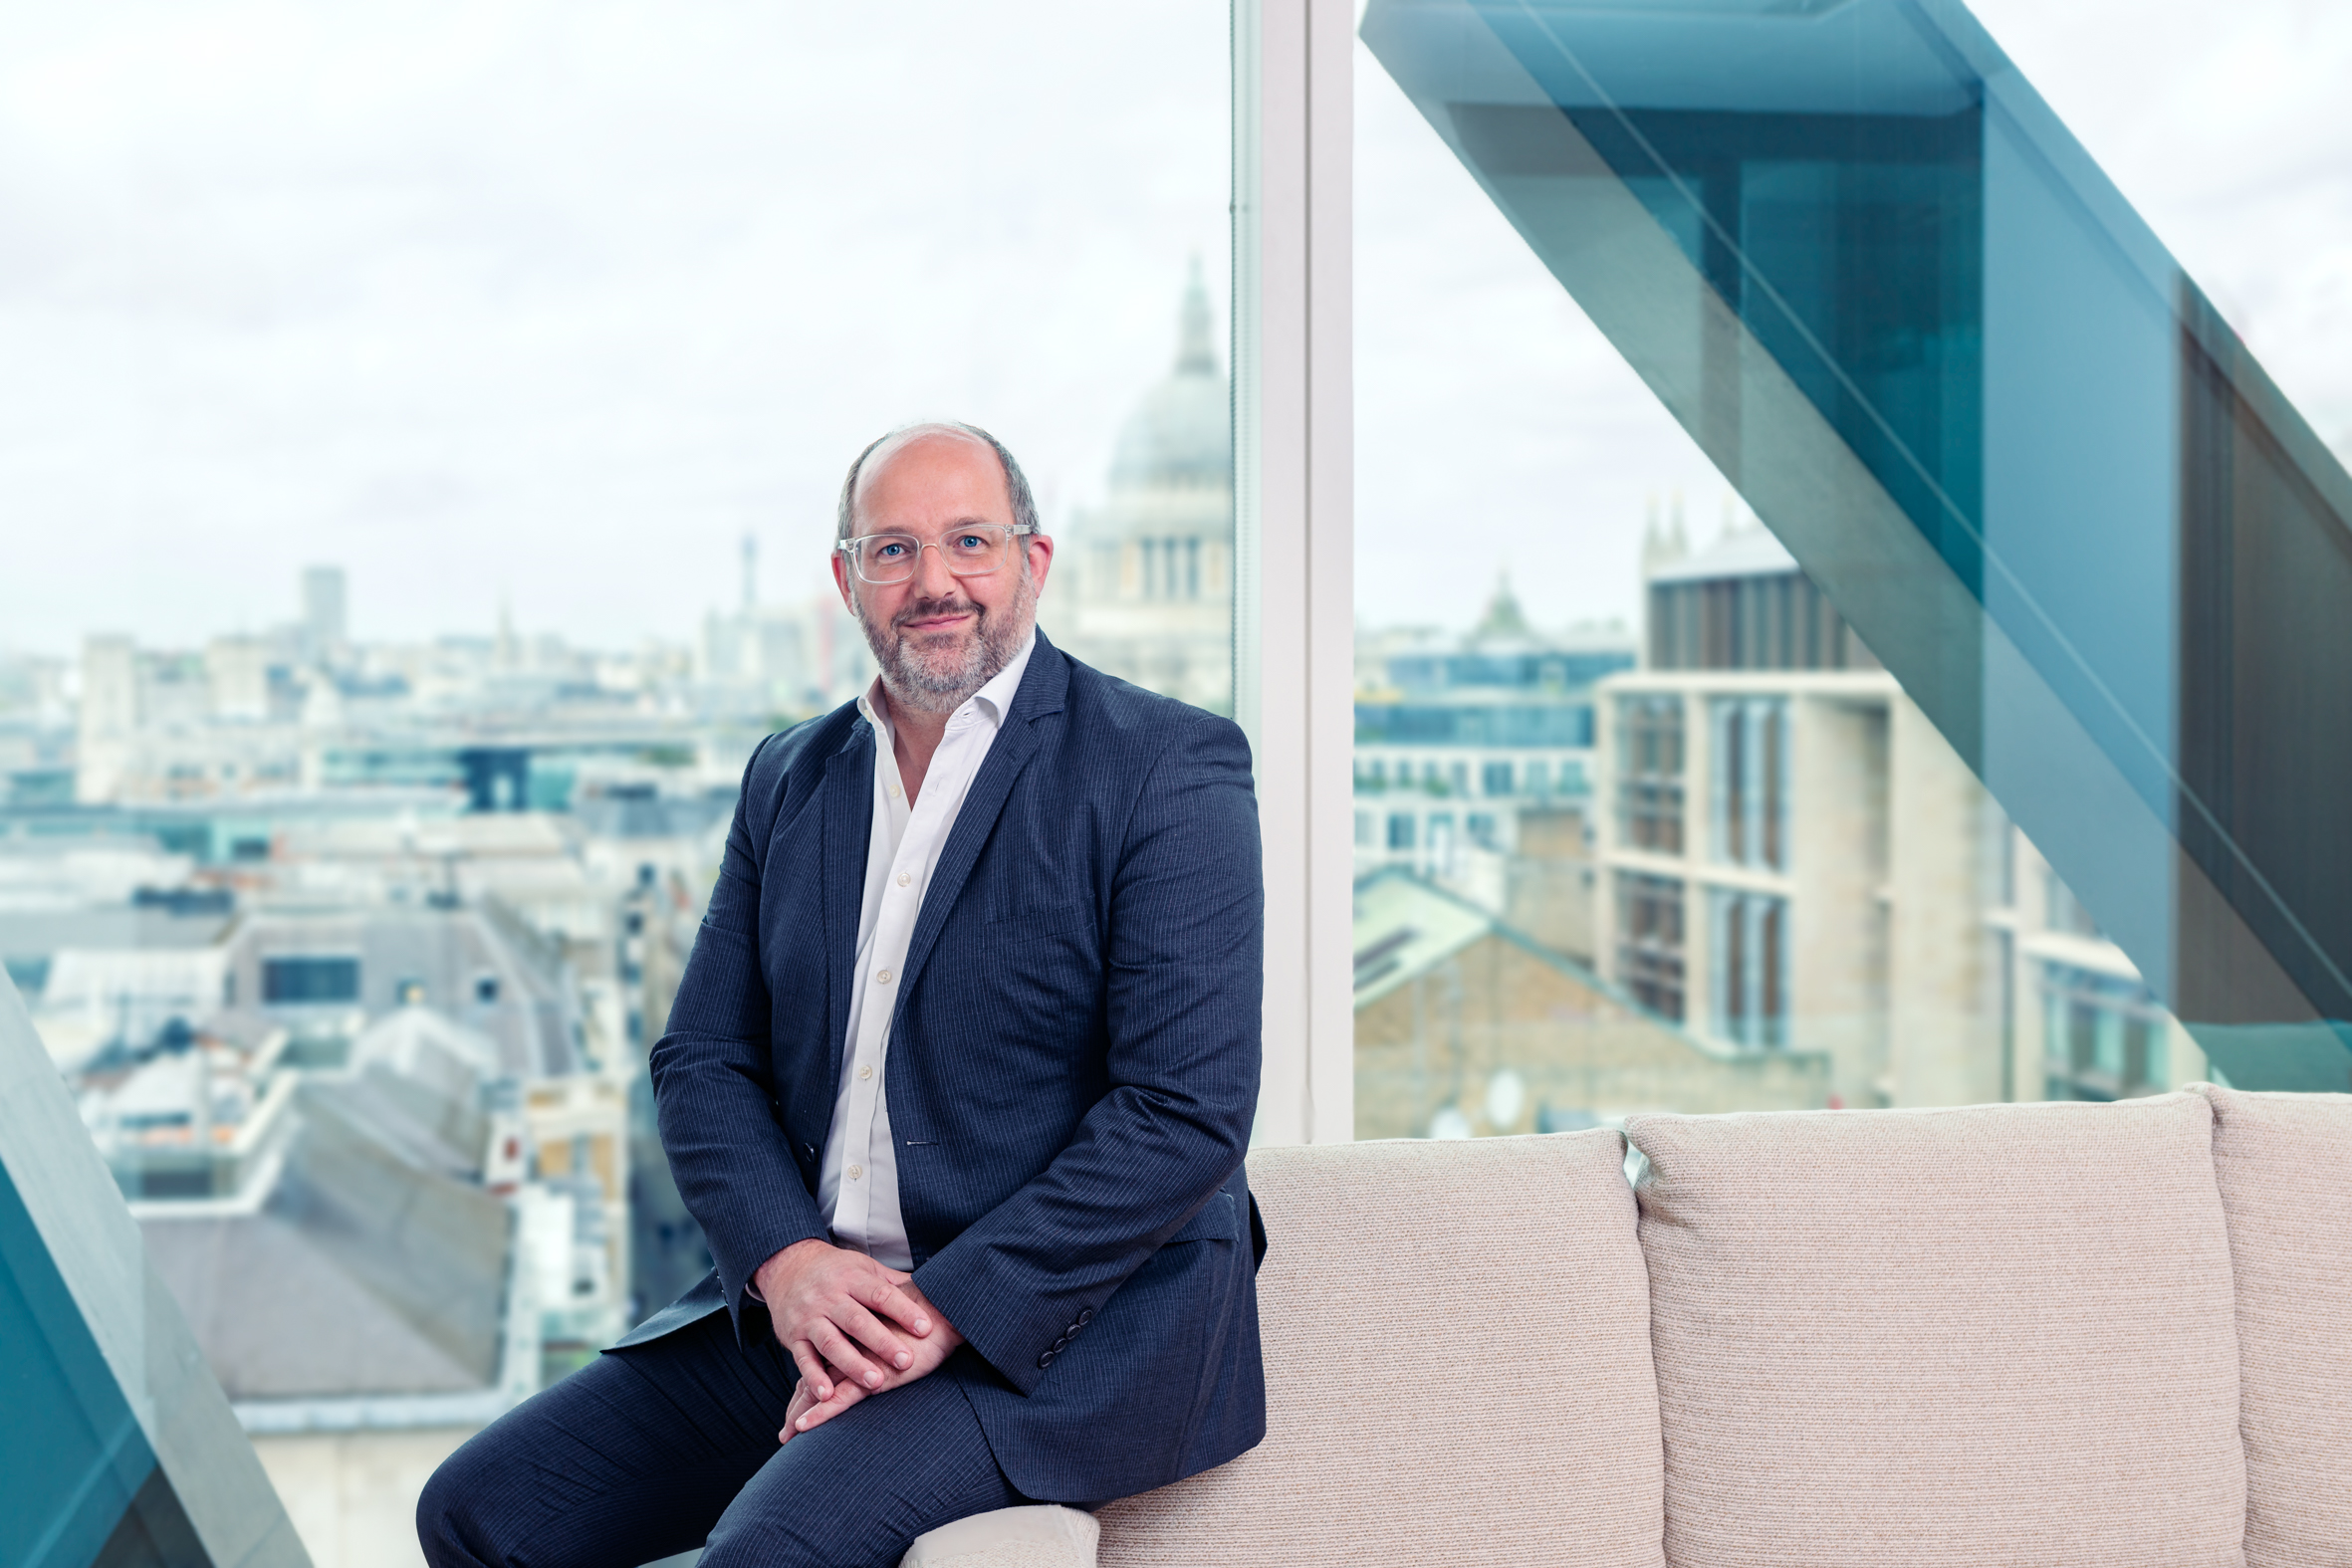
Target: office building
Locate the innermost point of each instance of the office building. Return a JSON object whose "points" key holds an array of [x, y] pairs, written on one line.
{"points": [[1791, 857]]}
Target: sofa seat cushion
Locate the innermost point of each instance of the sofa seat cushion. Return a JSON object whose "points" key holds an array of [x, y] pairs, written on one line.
{"points": [[1457, 1369], [2285, 1168], [1043, 1535], [1996, 1334]]}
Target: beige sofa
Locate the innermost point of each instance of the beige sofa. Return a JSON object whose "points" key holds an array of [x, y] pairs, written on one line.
{"points": [[2108, 1335]]}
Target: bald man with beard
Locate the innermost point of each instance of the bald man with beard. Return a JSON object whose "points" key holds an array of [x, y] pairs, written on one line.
{"points": [[958, 1082]]}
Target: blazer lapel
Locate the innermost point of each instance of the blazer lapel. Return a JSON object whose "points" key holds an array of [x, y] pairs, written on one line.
{"points": [[849, 829], [1042, 688]]}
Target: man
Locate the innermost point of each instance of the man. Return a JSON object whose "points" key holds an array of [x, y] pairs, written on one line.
{"points": [[958, 1082]]}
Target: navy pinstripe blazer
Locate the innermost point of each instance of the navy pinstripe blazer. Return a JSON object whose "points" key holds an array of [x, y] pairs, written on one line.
{"points": [[1073, 1068]]}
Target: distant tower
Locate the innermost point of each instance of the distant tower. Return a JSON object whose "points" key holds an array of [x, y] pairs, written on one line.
{"points": [[110, 717], [750, 568], [324, 610], [1153, 597]]}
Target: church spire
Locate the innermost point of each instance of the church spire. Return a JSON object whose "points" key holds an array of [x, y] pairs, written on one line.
{"points": [[1196, 351]]}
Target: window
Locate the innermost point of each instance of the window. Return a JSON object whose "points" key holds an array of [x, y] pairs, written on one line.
{"points": [[414, 673], [2103, 1035], [309, 982], [1897, 572], [1400, 830], [1749, 769], [1649, 770], [1495, 778], [1650, 941], [1749, 967]]}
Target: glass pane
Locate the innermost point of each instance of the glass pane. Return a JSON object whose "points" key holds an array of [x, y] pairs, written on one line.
{"points": [[423, 449], [1975, 601], [118, 1446]]}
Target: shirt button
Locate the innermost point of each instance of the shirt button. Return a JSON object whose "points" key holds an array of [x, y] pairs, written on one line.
{"points": [[865, 1072], [894, 792], [856, 1172], [904, 877], [881, 977]]}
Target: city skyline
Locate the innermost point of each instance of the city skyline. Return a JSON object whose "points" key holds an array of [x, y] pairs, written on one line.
{"points": [[474, 335]]}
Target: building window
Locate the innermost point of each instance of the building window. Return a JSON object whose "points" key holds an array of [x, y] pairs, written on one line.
{"points": [[1747, 969], [1363, 828], [1650, 941], [306, 981], [1538, 778], [1649, 772], [2103, 1037], [1496, 778], [1481, 827], [2062, 911], [1748, 798], [1459, 774], [1400, 830]]}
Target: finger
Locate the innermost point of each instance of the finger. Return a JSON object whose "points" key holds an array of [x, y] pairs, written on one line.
{"points": [[836, 1348], [812, 1369], [823, 1411], [886, 1299], [870, 1331]]}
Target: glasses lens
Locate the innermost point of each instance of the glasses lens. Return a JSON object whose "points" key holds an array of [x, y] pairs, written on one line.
{"points": [[887, 557], [973, 550]]}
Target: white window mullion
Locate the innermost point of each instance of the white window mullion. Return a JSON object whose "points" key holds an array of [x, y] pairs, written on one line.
{"points": [[1295, 579]]}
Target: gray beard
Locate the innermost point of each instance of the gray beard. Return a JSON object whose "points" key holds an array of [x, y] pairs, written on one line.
{"points": [[941, 680]]}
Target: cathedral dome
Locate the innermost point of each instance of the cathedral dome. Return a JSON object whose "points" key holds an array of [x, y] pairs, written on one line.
{"points": [[1181, 435]]}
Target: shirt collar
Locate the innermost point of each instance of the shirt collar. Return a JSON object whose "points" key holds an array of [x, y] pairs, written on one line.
{"points": [[996, 697]]}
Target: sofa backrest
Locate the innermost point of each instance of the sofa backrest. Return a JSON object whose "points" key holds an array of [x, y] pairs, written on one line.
{"points": [[1457, 1369], [1996, 1334], [2284, 1161]]}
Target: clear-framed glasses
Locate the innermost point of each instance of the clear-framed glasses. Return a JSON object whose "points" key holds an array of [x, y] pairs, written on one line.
{"points": [[973, 549]]}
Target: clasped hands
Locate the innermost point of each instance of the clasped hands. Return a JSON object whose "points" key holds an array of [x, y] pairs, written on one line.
{"points": [[853, 1328]]}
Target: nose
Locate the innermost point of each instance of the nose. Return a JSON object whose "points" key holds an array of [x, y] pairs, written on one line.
{"points": [[932, 580]]}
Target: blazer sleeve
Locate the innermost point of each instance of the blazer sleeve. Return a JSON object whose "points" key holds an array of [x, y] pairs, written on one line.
{"points": [[1185, 946], [714, 1088]]}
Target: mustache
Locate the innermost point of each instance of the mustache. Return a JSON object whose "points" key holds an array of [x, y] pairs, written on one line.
{"points": [[924, 609]]}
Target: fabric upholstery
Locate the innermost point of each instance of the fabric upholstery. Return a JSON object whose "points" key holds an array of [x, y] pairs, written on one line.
{"points": [[2285, 1168], [1457, 1362], [1994, 1334], [1045, 1536]]}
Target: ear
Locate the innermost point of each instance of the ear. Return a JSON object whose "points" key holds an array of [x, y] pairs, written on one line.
{"points": [[841, 581], [1041, 559]]}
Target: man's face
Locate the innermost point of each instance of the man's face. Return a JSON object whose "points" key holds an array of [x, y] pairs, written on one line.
{"points": [[937, 636]]}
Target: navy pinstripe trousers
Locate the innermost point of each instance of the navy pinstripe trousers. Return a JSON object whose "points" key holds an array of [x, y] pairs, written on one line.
{"points": [[652, 1450]]}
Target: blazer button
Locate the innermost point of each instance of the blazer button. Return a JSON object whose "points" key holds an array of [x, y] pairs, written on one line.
{"points": [[1044, 1360], [1085, 1316], [1062, 1344]]}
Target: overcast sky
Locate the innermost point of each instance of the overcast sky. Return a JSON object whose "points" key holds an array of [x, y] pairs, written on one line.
{"points": [[556, 302]]}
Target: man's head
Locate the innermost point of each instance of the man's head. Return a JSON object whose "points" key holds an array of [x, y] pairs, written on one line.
{"points": [[938, 637]]}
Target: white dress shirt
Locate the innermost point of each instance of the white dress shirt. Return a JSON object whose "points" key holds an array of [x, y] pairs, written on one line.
{"points": [[857, 1184]]}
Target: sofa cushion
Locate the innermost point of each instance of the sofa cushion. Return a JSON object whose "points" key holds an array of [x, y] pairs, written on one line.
{"points": [[1043, 1535], [2285, 1168], [1457, 1368], [1996, 1334]]}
